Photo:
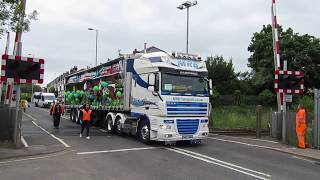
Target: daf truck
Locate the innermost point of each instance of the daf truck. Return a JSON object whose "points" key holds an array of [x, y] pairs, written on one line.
{"points": [[153, 94]]}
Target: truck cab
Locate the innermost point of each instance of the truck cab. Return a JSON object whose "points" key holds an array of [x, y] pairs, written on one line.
{"points": [[170, 96]]}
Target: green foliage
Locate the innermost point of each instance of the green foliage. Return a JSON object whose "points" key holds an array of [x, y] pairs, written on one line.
{"points": [[301, 51], [26, 96], [268, 97], [307, 101], [222, 74], [237, 117], [27, 88], [10, 13]]}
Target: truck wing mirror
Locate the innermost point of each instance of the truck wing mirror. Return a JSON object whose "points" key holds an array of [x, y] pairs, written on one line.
{"points": [[210, 84]]}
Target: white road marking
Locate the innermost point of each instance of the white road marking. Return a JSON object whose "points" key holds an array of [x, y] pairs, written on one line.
{"points": [[24, 142], [224, 164], [253, 139], [34, 158], [242, 143], [116, 150], [58, 139]]}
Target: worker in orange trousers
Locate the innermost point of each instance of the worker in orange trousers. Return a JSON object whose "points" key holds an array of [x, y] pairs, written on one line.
{"points": [[301, 126]]}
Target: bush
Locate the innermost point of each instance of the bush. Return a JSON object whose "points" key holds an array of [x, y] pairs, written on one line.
{"points": [[25, 96], [307, 102], [268, 98]]}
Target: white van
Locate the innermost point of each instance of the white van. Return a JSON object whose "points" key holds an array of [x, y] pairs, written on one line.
{"points": [[41, 99]]}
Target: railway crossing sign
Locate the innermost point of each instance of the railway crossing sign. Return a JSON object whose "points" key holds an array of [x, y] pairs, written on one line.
{"points": [[289, 82], [19, 69]]}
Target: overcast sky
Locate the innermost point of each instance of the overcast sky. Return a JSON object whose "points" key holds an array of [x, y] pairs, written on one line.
{"points": [[217, 27]]}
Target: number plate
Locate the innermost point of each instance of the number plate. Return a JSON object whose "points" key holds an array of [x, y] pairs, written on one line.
{"points": [[187, 136]]}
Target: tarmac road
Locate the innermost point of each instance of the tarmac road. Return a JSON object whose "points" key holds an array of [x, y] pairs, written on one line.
{"points": [[113, 157]]}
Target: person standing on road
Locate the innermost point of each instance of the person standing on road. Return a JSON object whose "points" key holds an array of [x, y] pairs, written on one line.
{"points": [[301, 126], [85, 116], [56, 111]]}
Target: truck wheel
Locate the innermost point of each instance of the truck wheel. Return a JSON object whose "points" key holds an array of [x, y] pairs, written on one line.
{"points": [[71, 110], [144, 132], [77, 118], [117, 126], [110, 128]]}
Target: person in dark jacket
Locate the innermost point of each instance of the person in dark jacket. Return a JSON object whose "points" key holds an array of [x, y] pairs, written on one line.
{"points": [[85, 116], [56, 111]]}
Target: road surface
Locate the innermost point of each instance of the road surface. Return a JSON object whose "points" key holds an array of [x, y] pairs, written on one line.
{"points": [[113, 157]]}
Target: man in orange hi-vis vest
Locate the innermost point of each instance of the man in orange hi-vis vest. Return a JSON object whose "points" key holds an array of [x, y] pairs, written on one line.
{"points": [[85, 116], [301, 126]]}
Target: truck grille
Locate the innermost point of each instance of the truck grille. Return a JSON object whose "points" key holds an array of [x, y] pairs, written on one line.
{"points": [[187, 126], [187, 108]]}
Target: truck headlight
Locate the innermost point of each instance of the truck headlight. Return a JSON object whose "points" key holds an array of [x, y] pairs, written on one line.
{"points": [[205, 125], [165, 126]]}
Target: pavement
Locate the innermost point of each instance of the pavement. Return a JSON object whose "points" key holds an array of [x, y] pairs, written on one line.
{"points": [[112, 157]]}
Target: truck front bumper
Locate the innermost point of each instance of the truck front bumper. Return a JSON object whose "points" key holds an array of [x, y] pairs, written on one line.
{"points": [[180, 129]]}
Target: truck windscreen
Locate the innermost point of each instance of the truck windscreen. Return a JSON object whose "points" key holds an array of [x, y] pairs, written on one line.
{"points": [[191, 85]]}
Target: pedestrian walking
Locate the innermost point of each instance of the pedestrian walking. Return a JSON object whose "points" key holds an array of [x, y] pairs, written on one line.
{"points": [[56, 111], [85, 116], [24, 104], [301, 126]]}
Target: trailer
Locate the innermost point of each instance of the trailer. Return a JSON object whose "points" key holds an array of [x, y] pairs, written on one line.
{"points": [[153, 94]]}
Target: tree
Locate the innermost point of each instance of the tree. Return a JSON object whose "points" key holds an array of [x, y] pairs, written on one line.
{"points": [[27, 88], [222, 74], [301, 51], [10, 13]]}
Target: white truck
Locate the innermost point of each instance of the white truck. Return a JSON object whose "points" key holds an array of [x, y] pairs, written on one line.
{"points": [[165, 96]]}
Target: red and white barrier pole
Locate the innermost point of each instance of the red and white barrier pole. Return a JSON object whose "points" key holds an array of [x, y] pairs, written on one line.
{"points": [[276, 47]]}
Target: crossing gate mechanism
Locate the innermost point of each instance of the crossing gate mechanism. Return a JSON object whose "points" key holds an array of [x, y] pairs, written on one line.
{"points": [[19, 69], [289, 82]]}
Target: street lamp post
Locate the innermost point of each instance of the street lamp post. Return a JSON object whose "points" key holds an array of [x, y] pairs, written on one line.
{"points": [[91, 29], [187, 5]]}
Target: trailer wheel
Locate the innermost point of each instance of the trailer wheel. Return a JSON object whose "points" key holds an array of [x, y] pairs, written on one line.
{"points": [[144, 132], [117, 126], [70, 114], [77, 116], [110, 128]]}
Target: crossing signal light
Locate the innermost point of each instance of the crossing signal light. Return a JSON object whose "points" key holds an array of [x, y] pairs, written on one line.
{"points": [[290, 81]]}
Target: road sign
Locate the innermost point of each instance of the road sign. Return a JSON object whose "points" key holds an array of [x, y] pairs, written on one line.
{"points": [[288, 98], [290, 82], [19, 69]]}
